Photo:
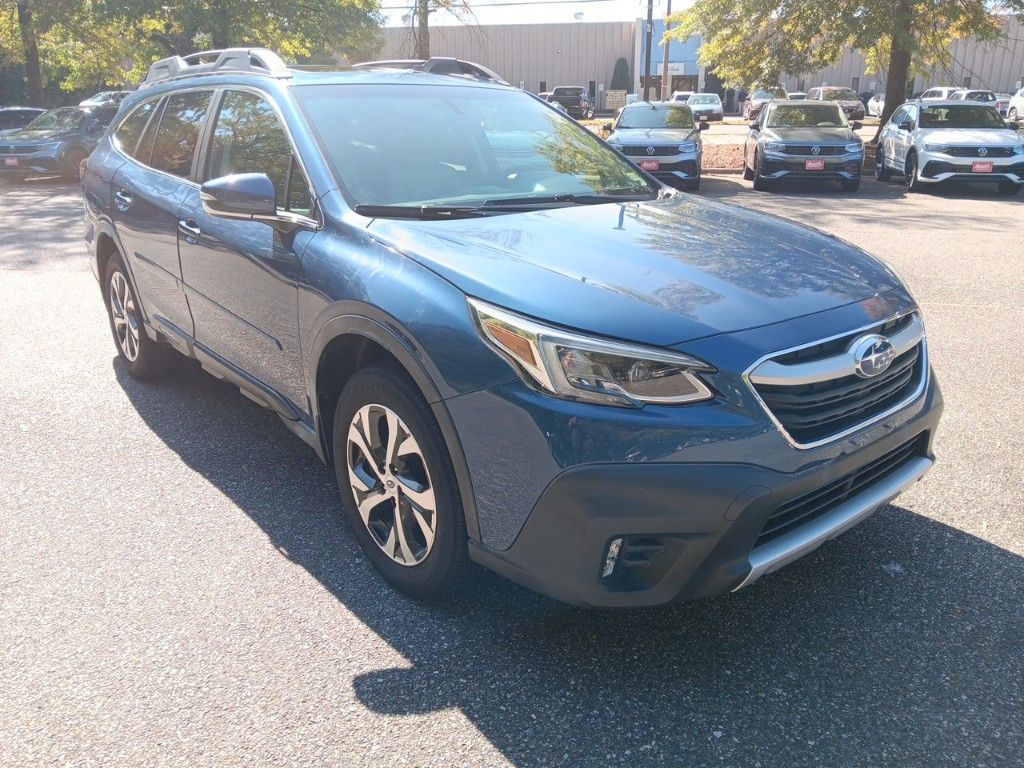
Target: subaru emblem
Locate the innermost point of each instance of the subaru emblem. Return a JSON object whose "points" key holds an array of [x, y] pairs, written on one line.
{"points": [[872, 355]]}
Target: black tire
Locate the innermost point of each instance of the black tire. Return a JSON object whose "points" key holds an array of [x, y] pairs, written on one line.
{"points": [[913, 181], [850, 185], [1012, 115], [761, 184], [152, 359], [748, 175], [692, 185], [443, 568], [72, 163], [1009, 188], [882, 173]]}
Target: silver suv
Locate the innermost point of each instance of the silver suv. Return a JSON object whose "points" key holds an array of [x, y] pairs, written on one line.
{"points": [[929, 142], [662, 138]]}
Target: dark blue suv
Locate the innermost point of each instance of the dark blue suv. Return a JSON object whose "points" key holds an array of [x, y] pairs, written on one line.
{"points": [[514, 346]]}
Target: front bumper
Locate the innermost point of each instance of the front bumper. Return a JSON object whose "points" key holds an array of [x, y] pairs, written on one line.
{"points": [[44, 162], [684, 166], [938, 166], [691, 530], [780, 166]]}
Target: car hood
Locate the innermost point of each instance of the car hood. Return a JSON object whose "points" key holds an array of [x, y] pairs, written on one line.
{"points": [[658, 273], [808, 135], [704, 107], [989, 137], [26, 137], [652, 135]]}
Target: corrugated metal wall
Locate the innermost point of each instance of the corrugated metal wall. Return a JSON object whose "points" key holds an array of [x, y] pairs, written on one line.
{"points": [[557, 54], [996, 65]]}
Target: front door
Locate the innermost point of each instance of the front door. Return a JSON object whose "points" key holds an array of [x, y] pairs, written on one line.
{"points": [[241, 277]]}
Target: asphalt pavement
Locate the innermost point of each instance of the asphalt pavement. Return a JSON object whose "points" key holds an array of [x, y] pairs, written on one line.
{"points": [[177, 586]]}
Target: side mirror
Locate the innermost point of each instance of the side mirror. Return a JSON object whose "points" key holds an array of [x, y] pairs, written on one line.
{"points": [[754, 126], [703, 125], [607, 127], [240, 196], [1013, 126], [906, 125], [856, 126]]}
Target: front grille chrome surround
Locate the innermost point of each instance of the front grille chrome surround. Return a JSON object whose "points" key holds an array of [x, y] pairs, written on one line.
{"points": [[907, 337]]}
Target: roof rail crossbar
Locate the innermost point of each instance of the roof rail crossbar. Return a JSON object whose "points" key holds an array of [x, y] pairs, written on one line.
{"points": [[256, 60]]}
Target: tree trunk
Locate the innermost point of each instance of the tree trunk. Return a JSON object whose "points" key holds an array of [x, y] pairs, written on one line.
{"points": [[30, 49], [422, 29], [899, 62]]}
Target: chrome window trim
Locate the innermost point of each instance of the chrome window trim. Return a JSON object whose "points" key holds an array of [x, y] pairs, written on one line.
{"points": [[914, 396]]}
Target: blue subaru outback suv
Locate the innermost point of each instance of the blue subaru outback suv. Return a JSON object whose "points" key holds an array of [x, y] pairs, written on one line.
{"points": [[513, 346]]}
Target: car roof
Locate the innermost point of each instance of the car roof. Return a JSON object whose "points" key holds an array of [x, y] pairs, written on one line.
{"points": [[951, 103], [22, 109]]}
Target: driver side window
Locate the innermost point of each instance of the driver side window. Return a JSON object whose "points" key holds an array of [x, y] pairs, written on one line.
{"points": [[249, 138]]}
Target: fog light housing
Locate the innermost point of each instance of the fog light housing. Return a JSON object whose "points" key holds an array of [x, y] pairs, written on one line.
{"points": [[611, 557]]}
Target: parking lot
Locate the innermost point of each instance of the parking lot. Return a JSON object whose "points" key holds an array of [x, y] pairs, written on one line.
{"points": [[177, 585]]}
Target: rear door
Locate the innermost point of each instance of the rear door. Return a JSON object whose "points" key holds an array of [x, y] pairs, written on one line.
{"points": [[241, 277], [147, 195]]}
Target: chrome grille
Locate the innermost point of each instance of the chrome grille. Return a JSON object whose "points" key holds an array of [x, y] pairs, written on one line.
{"points": [[808, 149], [662, 151], [815, 394], [8, 149]]}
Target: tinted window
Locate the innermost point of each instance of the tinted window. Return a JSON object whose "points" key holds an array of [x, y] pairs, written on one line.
{"points": [[249, 138], [839, 94], [63, 119], [466, 145], [649, 116], [899, 116], [127, 136], [179, 132], [961, 116], [806, 116]]}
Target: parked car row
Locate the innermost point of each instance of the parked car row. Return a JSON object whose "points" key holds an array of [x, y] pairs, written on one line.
{"points": [[512, 345], [54, 142]]}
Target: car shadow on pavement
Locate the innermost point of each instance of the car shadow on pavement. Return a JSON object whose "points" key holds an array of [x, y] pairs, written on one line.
{"points": [[898, 644], [54, 208]]}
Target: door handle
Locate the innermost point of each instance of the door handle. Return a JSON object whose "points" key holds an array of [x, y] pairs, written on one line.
{"points": [[122, 200], [190, 230]]}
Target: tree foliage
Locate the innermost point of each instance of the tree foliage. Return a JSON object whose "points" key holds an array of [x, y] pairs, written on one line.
{"points": [[753, 42], [93, 43], [621, 80]]}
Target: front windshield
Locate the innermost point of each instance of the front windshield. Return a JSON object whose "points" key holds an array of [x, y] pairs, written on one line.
{"points": [[704, 99], [840, 94], [466, 146], [770, 93], [961, 116], [981, 96], [806, 116], [657, 116], [64, 119]]}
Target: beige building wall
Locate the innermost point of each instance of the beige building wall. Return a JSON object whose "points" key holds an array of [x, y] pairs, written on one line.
{"points": [[556, 54], [996, 65]]}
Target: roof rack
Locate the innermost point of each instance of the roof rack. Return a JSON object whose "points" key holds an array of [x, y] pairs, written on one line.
{"points": [[438, 65], [261, 61]]}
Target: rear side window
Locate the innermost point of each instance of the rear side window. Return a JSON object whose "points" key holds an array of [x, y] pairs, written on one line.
{"points": [[178, 134], [249, 138], [127, 136]]}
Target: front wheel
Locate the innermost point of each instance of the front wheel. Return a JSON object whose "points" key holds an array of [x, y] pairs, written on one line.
{"points": [[913, 180], [1012, 115], [850, 185], [397, 484], [144, 358], [761, 184], [71, 171], [882, 173]]}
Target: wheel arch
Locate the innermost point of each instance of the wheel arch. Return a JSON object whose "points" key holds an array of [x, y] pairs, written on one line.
{"points": [[351, 341]]}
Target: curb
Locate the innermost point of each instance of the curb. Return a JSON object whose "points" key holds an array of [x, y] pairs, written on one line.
{"points": [[719, 171]]}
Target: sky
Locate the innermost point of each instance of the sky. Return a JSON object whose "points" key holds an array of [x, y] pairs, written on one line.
{"points": [[537, 12]]}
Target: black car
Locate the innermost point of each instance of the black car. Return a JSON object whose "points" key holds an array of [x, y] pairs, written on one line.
{"points": [[800, 140], [847, 98], [576, 100], [54, 143], [12, 118]]}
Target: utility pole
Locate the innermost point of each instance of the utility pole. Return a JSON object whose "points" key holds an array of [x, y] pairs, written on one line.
{"points": [[666, 85], [647, 52]]}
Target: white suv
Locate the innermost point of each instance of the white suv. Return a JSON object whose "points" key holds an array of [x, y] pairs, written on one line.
{"points": [[934, 141], [1015, 110], [939, 94]]}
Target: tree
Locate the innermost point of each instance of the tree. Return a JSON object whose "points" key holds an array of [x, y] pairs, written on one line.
{"points": [[419, 20], [620, 76], [753, 42]]}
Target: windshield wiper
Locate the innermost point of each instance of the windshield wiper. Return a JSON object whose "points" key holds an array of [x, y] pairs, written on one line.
{"points": [[423, 212], [566, 198]]}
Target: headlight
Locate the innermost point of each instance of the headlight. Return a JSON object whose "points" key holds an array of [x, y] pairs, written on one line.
{"points": [[936, 147], [774, 146], [577, 367], [1019, 149], [854, 146], [688, 146]]}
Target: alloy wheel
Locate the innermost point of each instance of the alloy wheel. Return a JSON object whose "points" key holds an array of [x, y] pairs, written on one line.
{"points": [[391, 484], [126, 319]]}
